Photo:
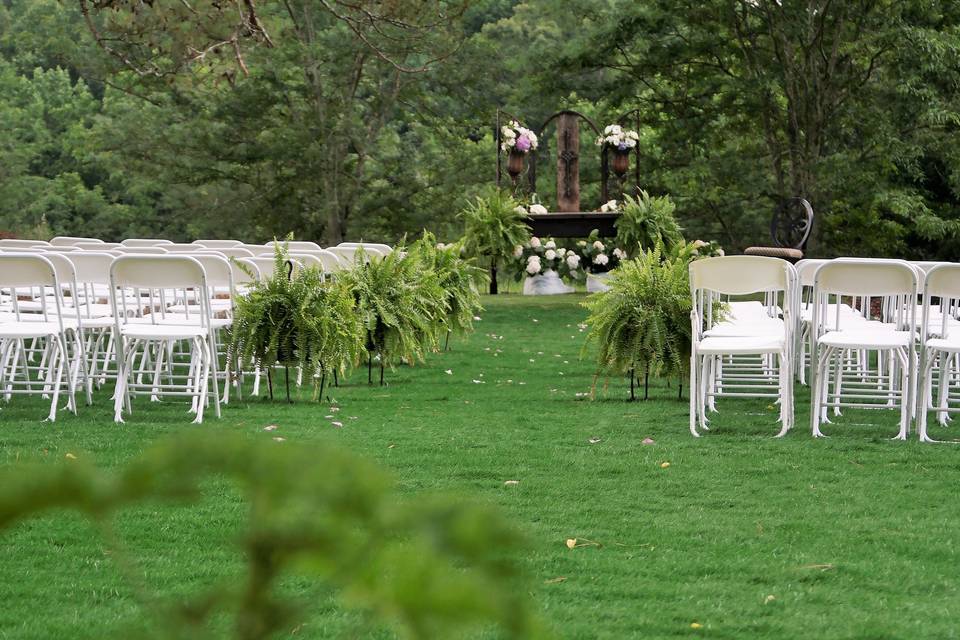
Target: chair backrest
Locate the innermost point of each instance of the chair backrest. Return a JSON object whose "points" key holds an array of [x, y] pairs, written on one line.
{"points": [[740, 275], [380, 247], [294, 245], [218, 244], [230, 252], [265, 265], [145, 242], [941, 282], [181, 247], [863, 277], [29, 273], [69, 241], [10, 243], [97, 246], [217, 270], [806, 269], [244, 273], [331, 261], [144, 250], [92, 267], [152, 278], [350, 255]]}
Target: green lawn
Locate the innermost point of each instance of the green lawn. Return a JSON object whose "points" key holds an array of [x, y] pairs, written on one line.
{"points": [[849, 537]]}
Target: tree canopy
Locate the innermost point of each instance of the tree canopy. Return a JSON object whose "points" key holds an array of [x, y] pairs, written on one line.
{"points": [[336, 119]]}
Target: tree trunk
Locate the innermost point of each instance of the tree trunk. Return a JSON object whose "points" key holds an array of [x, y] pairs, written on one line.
{"points": [[493, 278]]}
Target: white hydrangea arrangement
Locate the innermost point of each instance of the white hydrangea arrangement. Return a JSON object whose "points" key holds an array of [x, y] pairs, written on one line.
{"points": [[599, 256], [616, 137], [539, 255], [611, 206], [517, 138]]}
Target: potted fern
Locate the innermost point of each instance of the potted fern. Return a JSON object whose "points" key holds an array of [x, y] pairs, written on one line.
{"points": [[402, 305], [295, 319], [646, 222], [494, 225], [642, 323], [459, 278]]}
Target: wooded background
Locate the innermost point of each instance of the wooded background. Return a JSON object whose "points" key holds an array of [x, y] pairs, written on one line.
{"points": [[351, 118]]}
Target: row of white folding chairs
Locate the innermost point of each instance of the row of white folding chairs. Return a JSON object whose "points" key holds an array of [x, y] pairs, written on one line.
{"points": [[858, 360], [329, 260], [158, 305]]}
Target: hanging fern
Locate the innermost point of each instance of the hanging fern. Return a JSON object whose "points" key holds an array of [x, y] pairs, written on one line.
{"points": [[403, 306], [459, 278], [643, 322], [647, 222], [298, 320], [493, 226]]}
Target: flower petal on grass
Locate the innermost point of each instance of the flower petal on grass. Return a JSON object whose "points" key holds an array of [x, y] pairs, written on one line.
{"points": [[647, 441], [511, 483], [338, 425]]}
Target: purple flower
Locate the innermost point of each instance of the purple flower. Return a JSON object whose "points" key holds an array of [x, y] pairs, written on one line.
{"points": [[622, 146], [523, 144]]}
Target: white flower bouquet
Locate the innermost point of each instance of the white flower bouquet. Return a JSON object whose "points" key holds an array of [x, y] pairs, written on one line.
{"points": [[513, 137], [616, 137], [538, 256], [599, 256]]}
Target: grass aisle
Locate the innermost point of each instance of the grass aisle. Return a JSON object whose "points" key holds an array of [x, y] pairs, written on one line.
{"points": [[851, 537]]}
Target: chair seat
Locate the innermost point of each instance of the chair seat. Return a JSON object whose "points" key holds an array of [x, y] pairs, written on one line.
{"points": [[21, 330], [870, 339], [785, 253], [181, 319], [769, 328], [741, 345], [163, 331], [944, 344], [36, 318]]}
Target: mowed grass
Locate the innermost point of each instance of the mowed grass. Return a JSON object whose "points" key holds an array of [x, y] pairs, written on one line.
{"points": [[855, 536]]}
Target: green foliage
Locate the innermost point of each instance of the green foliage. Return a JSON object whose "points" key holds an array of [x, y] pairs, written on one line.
{"points": [[647, 222], [643, 321], [493, 225], [429, 568], [458, 277], [402, 305], [298, 320]]}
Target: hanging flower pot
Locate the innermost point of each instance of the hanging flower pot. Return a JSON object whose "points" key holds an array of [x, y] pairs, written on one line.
{"points": [[621, 162], [515, 163]]}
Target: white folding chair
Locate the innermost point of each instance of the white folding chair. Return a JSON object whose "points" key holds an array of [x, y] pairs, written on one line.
{"points": [[161, 342], [939, 347], [33, 277], [748, 354], [93, 304], [844, 350]]}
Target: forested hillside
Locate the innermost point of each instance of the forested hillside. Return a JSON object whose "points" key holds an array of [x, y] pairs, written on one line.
{"points": [[335, 119]]}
